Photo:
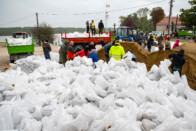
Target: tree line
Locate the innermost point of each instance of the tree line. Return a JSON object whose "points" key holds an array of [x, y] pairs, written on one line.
{"points": [[140, 22], [10, 30]]}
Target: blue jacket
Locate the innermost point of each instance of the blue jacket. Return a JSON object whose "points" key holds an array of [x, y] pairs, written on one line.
{"points": [[93, 55], [131, 39], [133, 56], [107, 48]]}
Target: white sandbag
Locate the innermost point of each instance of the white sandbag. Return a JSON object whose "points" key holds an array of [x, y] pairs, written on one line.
{"points": [[107, 102], [6, 121], [148, 125]]}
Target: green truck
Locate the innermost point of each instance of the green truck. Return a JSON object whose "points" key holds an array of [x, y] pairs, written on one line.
{"points": [[185, 34], [23, 48]]}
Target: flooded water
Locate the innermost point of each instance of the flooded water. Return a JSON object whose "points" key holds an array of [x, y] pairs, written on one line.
{"points": [[2, 38]]}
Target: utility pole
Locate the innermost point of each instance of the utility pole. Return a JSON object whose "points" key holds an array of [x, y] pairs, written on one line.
{"points": [[38, 29], [37, 19], [176, 22], [114, 28], [170, 15]]}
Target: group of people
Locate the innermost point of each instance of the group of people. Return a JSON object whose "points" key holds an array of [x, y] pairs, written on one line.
{"points": [[68, 52], [91, 26], [161, 44], [112, 50]]}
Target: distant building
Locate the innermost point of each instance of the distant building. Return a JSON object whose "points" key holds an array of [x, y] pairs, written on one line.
{"points": [[162, 26]]}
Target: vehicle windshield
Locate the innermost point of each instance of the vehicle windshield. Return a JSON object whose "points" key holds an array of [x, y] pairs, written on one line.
{"points": [[134, 32], [124, 32], [130, 32], [118, 32], [20, 35]]}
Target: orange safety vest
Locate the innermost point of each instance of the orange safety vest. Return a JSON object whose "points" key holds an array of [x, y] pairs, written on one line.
{"points": [[44, 45]]}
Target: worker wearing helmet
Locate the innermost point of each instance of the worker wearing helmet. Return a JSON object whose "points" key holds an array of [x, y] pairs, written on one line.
{"points": [[93, 27], [117, 51]]}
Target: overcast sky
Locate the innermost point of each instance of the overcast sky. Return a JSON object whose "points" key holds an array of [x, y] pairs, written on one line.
{"points": [[74, 13]]}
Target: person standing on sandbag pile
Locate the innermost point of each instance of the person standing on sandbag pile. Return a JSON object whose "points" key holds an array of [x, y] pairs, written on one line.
{"points": [[167, 44], [87, 27], [46, 49], [101, 27], [70, 51], [177, 61], [93, 27], [63, 52], [117, 51], [150, 43]]}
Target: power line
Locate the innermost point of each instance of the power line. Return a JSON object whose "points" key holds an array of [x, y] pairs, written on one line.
{"points": [[111, 11], [14, 21], [137, 6], [104, 11]]}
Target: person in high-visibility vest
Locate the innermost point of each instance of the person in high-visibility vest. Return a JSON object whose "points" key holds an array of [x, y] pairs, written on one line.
{"points": [[93, 27], [117, 51], [153, 37]]}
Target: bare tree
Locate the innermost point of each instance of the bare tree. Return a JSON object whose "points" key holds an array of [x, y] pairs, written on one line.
{"points": [[42, 33]]}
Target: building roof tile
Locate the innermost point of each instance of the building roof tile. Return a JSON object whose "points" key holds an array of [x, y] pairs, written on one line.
{"points": [[166, 20]]}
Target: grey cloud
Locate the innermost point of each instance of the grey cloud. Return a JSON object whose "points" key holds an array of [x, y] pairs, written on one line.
{"points": [[11, 10]]}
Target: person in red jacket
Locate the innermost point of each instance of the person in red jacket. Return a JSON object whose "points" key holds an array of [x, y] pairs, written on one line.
{"points": [[70, 51], [166, 37], [176, 44], [84, 52]]}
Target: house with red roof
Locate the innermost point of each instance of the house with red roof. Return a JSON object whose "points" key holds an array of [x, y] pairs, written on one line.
{"points": [[163, 24]]}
